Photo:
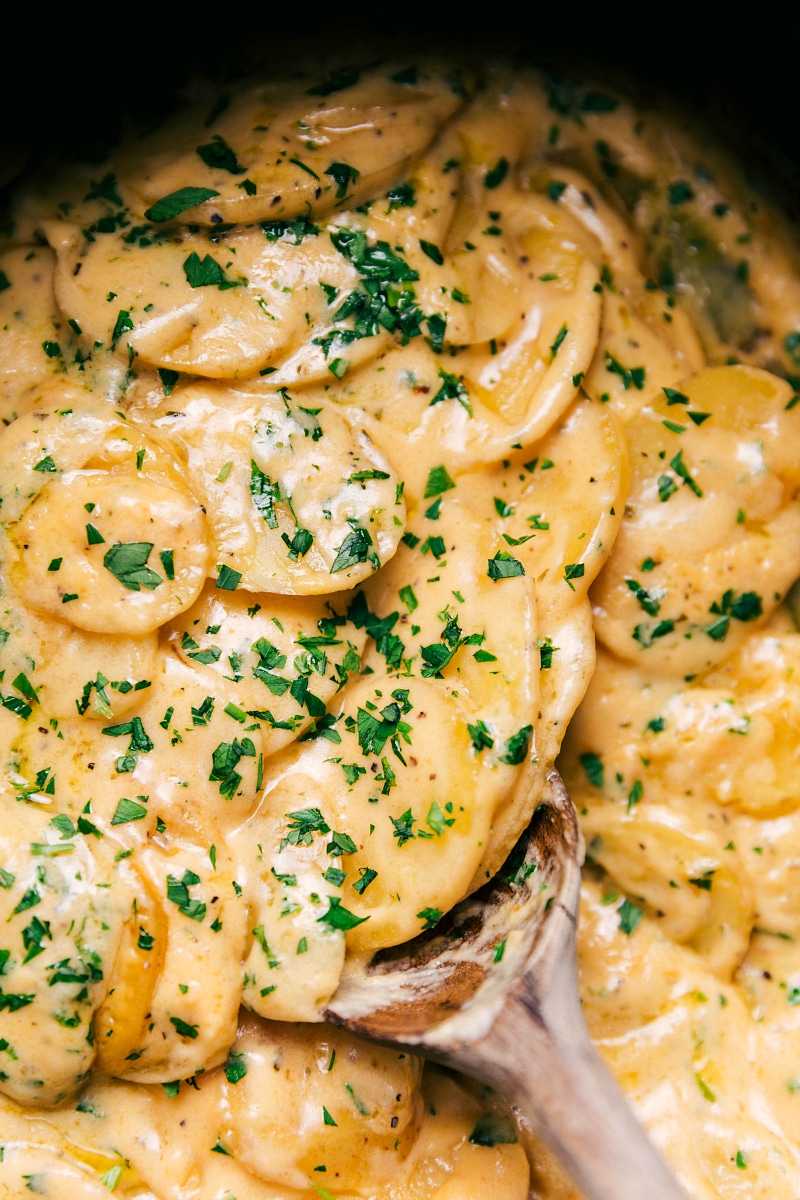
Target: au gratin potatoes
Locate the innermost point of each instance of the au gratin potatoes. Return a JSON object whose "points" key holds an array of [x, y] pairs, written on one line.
{"points": [[342, 414]]}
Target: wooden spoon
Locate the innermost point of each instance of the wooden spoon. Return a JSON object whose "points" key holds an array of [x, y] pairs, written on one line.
{"points": [[492, 991]]}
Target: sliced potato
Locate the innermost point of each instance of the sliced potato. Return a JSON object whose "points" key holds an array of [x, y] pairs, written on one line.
{"points": [[265, 657], [476, 408], [73, 671], [433, 742], [298, 498], [110, 580], [120, 1021], [699, 891], [713, 473], [556, 511], [39, 1159], [294, 960], [35, 340], [63, 906], [225, 306], [192, 1020], [726, 742], [408, 858], [80, 487], [370, 1093], [284, 138]]}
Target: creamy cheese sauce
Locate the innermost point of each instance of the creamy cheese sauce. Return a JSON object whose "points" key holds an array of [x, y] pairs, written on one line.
{"points": [[325, 407]]}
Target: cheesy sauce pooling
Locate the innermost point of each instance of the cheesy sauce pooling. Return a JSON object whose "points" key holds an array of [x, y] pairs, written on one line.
{"points": [[324, 411]]}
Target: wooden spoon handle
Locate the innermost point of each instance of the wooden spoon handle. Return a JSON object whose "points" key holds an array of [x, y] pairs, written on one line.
{"points": [[573, 1103], [540, 1056]]}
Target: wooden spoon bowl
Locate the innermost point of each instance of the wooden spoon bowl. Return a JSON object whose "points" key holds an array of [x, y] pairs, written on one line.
{"points": [[492, 991]]}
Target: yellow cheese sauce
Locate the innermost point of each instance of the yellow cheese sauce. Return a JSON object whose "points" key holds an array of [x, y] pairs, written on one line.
{"points": [[341, 414]]}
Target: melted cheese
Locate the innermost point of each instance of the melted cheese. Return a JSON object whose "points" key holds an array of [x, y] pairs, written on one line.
{"points": [[339, 420]]}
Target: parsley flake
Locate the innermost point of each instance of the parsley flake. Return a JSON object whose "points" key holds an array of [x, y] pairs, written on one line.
{"points": [[339, 917], [218, 155], [504, 566], [171, 206], [128, 562], [438, 481], [202, 272]]}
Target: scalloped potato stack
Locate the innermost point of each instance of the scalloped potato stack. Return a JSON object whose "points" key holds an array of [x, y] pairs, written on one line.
{"points": [[341, 413]]}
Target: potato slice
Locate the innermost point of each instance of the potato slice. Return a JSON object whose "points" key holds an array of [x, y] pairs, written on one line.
{"points": [[641, 330], [556, 512], [197, 1133], [371, 1095], [80, 486], [298, 498], [286, 138], [476, 408], [768, 978], [443, 610], [265, 658], [457, 1167], [192, 1020], [294, 960], [120, 1021], [35, 341], [513, 279], [225, 306], [63, 906], [419, 828], [431, 744], [727, 740], [38, 1160], [67, 432], [91, 674], [699, 891], [106, 580], [774, 857], [656, 1015], [713, 473]]}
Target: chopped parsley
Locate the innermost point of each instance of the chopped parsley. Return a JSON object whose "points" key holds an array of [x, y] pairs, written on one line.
{"points": [[452, 388], [129, 810], [203, 272], [504, 566], [128, 562], [432, 251], [593, 766], [630, 376], [649, 631], [495, 176], [178, 894], [747, 606], [218, 155], [517, 746], [650, 601], [265, 494], [559, 338], [171, 206], [356, 548], [339, 917], [573, 571], [630, 916], [402, 196], [438, 481], [228, 579], [342, 175], [493, 1129]]}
